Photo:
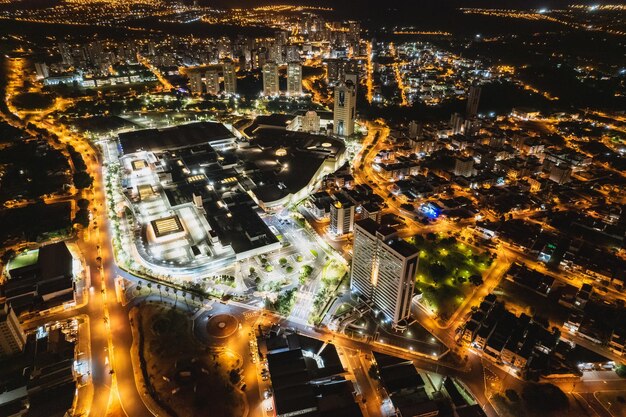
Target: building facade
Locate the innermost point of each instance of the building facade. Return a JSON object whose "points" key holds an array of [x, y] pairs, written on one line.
{"points": [[212, 81], [344, 109], [294, 79], [270, 79], [383, 270], [230, 78], [12, 337], [341, 217]]}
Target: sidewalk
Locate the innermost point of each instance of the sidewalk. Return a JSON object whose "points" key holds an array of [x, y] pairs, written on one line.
{"points": [[84, 383]]}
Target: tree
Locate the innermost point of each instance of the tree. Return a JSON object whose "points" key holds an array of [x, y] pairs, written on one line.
{"points": [[234, 376], [476, 280], [252, 270], [82, 218], [82, 180], [373, 372], [7, 256], [83, 203], [282, 261]]}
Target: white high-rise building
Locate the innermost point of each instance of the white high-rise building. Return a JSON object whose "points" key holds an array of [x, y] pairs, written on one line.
{"points": [[294, 79], [12, 337], [230, 78], [212, 81], [341, 216], [195, 82], [42, 70], [344, 109], [383, 270], [270, 79]]}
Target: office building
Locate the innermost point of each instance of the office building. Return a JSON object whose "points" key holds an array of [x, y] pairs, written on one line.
{"points": [[341, 216], [415, 129], [12, 337], [230, 78], [212, 81], [464, 167], [472, 101], [456, 124], [383, 270], [561, 174], [195, 83], [42, 70], [294, 79], [270, 79], [344, 109]]}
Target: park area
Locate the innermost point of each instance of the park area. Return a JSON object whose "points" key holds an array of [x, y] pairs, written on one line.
{"points": [[448, 272], [186, 378]]}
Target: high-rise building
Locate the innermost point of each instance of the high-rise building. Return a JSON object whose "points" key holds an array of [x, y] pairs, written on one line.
{"points": [[12, 337], [344, 109], [195, 82], [472, 101], [212, 81], [383, 270], [456, 124], [561, 174], [294, 79], [42, 70], [341, 216], [230, 78], [415, 129], [464, 167], [66, 54], [270, 79]]}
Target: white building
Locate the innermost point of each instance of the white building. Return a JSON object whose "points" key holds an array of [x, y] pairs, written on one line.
{"points": [[344, 109], [195, 82], [383, 270], [212, 81], [270, 79], [230, 78], [341, 217], [12, 337], [294, 79]]}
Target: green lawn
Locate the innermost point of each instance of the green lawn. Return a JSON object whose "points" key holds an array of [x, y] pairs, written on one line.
{"points": [[444, 271], [24, 259]]}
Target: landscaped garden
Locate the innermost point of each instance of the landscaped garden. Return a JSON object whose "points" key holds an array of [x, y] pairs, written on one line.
{"points": [[448, 272]]}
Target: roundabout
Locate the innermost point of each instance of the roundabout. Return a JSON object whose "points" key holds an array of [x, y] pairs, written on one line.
{"points": [[222, 326]]}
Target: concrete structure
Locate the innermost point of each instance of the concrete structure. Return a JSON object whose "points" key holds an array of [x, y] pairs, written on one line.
{"points": [[473, 99], [344, 109], [294, 79], [341, 217], [230, 78], [560, 174], [383, 270], [195, 83], [212, 81], [464, 167], [12, 337], [270, 79], [42, 70], [310, 122]]}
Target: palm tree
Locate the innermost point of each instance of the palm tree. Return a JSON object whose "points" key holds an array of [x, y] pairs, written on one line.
{"points": [[149, 285], [160, 294], [175, 291]]}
